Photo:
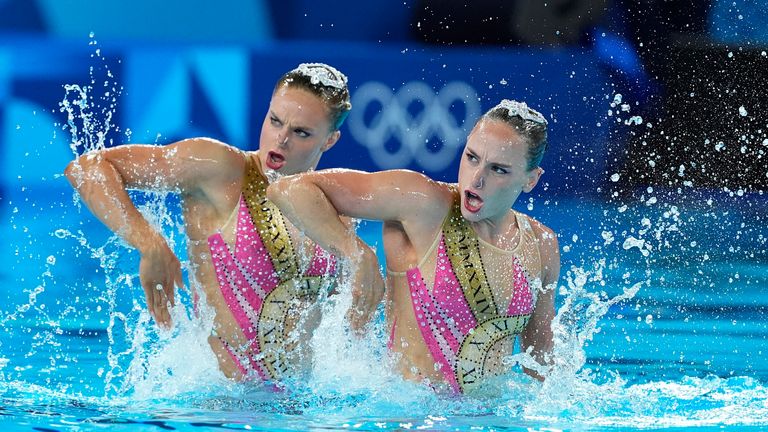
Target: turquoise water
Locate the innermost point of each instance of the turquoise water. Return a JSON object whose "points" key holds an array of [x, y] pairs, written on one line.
{"points": [[661, 324], [685, 347]]}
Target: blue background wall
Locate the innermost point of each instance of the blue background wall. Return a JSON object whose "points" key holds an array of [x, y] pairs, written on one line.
{"points": [[183, 68]]}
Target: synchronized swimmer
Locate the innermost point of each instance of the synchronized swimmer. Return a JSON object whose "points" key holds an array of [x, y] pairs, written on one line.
{"points": [[260, 276], [466, 274]]}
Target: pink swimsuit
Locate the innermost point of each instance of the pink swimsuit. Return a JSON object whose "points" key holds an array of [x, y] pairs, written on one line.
{"points": [[461, 324], [258, 295]]}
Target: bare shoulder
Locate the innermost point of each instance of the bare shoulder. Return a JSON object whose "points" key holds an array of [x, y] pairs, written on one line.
{"points": [[426, 200], [209, 150], [418, 183], [393, 195], [211, 160], [543, 233], [549, 249]]}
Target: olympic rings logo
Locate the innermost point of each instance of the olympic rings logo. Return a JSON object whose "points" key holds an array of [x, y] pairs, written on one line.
{"points": [[393, 120]]}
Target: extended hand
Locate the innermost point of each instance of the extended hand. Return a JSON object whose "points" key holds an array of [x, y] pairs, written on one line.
{"points": [[367, 290], [160, 273]]}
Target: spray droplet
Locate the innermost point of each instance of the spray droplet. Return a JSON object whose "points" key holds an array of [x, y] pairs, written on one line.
{"points": [[742, 111], [608, 237], [615, 177]]}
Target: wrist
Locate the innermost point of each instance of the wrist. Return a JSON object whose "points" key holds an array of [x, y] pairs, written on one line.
{"points": [[147, 242]]}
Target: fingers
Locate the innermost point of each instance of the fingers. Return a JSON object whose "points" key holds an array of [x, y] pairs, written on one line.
{"points": [[160, 274], [178, 280], [168, 289], [157, 303], [359, 314], [367, 292], [162, 315], [365, 301], [150, 296]]}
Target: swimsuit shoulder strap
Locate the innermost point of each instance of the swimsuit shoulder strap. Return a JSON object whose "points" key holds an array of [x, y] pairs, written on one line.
{"points": [[269, 221], [529, 252], [464, 254]]}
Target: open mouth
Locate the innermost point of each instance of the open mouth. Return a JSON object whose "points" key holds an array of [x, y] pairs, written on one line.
{"points": [[275, 161], [472, 202]]}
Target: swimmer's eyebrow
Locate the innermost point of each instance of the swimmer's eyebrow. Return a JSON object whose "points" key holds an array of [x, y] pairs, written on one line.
{"points": [[304, 128], [500, 165], [490, 162]]}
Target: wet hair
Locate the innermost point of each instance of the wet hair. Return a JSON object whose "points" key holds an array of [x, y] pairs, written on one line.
{"points": [[529, 123], [325, 82]]}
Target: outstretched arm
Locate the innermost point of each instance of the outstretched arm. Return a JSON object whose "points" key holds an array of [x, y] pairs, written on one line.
{"points": [[102, 179], [537, 335], [314, 202]]}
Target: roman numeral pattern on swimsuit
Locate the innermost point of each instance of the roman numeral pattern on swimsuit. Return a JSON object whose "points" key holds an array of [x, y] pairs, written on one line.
{"points": [[261, 279], [459, 318]]}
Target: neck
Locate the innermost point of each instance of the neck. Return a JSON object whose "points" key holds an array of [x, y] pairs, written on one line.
{"points": [[276, 174], [498, 230]]}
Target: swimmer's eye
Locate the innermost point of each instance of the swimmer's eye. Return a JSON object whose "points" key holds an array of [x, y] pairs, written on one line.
{"points": [[302, 133], [471, 157], [275, 121], [499, 170]]}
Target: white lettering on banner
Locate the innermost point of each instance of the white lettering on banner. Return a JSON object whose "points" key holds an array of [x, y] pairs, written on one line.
{"points": [[392, 119]]}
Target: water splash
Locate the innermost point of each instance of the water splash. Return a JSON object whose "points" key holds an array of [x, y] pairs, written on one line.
{"points": [[149, 375]]}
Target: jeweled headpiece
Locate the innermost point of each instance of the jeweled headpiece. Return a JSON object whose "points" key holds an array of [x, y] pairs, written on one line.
{"points": [[520, 109]]}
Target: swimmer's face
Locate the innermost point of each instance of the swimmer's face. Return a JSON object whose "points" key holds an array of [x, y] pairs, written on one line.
{"points": [[493, 171], [296, 131]]}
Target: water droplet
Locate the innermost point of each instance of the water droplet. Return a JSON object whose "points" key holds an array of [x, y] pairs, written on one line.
{"points": [[742, 111], [615, 177]]}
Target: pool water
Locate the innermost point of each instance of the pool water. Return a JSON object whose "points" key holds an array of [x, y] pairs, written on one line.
{"points": [[661, 324]]}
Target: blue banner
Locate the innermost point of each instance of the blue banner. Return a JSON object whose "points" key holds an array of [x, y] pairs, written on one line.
{"points": [[412, 106]]}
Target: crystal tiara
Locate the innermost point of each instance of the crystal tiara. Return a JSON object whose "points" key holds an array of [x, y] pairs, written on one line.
{"points": [[520, 109], [321, 73]]}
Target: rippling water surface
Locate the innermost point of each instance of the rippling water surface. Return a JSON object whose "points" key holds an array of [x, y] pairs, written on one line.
{"points": [[661, 324]]}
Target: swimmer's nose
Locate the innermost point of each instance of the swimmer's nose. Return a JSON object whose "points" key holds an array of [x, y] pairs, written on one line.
{"points": [[282, 139], [478, 180]]}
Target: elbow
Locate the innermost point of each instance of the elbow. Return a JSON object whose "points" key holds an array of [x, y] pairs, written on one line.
{"points": [[82, 169], [74, 172]]}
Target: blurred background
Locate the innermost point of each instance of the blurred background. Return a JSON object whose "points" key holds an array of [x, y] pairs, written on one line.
{"points": [[667, 93]]}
